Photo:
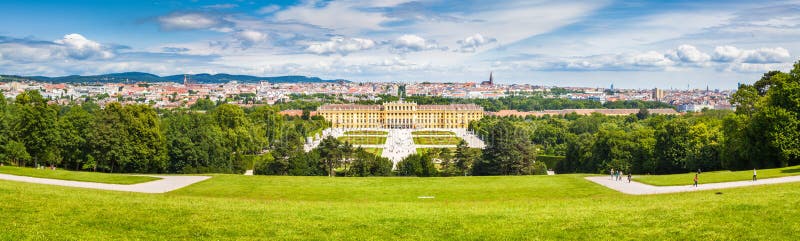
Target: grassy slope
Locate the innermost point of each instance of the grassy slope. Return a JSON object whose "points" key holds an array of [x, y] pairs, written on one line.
{"points": [[364, 140], [76, 176], [444, 133], [439, 140], [718, 176], [472, 208], [366, 132], [375, 151], [426, 150]]}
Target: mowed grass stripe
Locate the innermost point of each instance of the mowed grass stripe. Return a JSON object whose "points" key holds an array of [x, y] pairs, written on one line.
{"points": [[441, 133], [363, 140], [716, 176], [366, 132], [374, 151], [506, 208], [438, 140], [76, 176]]}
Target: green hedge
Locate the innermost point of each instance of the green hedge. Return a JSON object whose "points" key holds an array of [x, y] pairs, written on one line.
{"points": [[550, 161]]}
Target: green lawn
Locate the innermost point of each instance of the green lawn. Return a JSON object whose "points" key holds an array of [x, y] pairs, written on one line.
{"points": [[439, 140], [561, 207], [376, 151], [366, 132], [76, 176], [426, 150], [364, 140], [717, 176], [438, 133]]}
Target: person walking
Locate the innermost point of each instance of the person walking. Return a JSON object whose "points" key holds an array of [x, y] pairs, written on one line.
{"points": [[612, 173], [629, 177], [754, 175], [695, 180]]}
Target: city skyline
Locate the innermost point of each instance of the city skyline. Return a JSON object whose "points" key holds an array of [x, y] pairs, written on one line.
{"points": [[628, 44]]}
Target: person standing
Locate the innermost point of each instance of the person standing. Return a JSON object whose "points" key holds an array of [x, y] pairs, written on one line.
{"points": [[612, 173], [754, 174], [695, 180], [629, 177]]}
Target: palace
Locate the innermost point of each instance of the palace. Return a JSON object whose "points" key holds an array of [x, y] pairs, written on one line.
{"points": [[400, 115]]}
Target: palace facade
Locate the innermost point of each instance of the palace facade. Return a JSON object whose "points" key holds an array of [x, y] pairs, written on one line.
{"points": [[400, 115]]}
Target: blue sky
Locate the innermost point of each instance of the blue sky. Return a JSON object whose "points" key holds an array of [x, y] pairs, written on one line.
{"points": [[632, 44]]}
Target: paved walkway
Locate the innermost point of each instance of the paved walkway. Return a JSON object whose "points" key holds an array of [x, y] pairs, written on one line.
{"points": [[637, 188], [165, 184]]}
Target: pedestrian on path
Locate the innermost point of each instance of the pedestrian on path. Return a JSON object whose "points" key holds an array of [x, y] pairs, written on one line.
{"points": [[754, 175], [695, 180], [629, 177], [612, 173]]}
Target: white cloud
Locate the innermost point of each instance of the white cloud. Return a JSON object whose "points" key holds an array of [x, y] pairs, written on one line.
{"points": [[249, 38], [221, 6], [344, 17], [412, 43], [190, 21], [726, 54], [767, 55], [341, 45], [647, 61], [78, 47], [268, 9], [688, 54], [471, 43], [756, 56], [20, 52]]}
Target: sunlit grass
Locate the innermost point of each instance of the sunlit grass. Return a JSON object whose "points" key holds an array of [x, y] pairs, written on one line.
{"points": [[716, 176], [438, 133], [375, 151], [366, 132], [438, 140], [561, 207], [363, 140], [76, 176]]}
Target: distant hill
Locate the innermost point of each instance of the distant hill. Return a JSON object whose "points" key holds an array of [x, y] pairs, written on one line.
{"points": [[147, 77]]}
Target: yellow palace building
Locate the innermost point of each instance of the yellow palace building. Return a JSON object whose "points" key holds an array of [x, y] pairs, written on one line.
{"points": [[400, 115]]}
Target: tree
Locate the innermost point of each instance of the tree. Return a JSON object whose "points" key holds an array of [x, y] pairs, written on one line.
{"points": [[417, 165], [109, 139], [463, 159], [74, 127], [203, 104], [672, 148], [643, 113], [508, 151], [16, 152], [36, 127], [330, 153], [270, 121], [366, 164]]}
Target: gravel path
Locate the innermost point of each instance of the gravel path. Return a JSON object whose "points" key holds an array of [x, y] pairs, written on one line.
{"points": [[165, 184], [637, 188]]}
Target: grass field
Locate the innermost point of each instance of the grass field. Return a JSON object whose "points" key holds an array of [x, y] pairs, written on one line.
{"points": [[463, 208], [76, 176], [366, 132], [718, 176], [439, 140], [438, 133], [426, 150], [376, 151], [364, 140]]}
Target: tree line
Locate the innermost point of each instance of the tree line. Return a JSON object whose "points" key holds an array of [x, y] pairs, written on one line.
{"points": [[763, 132], [220, 138]]}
